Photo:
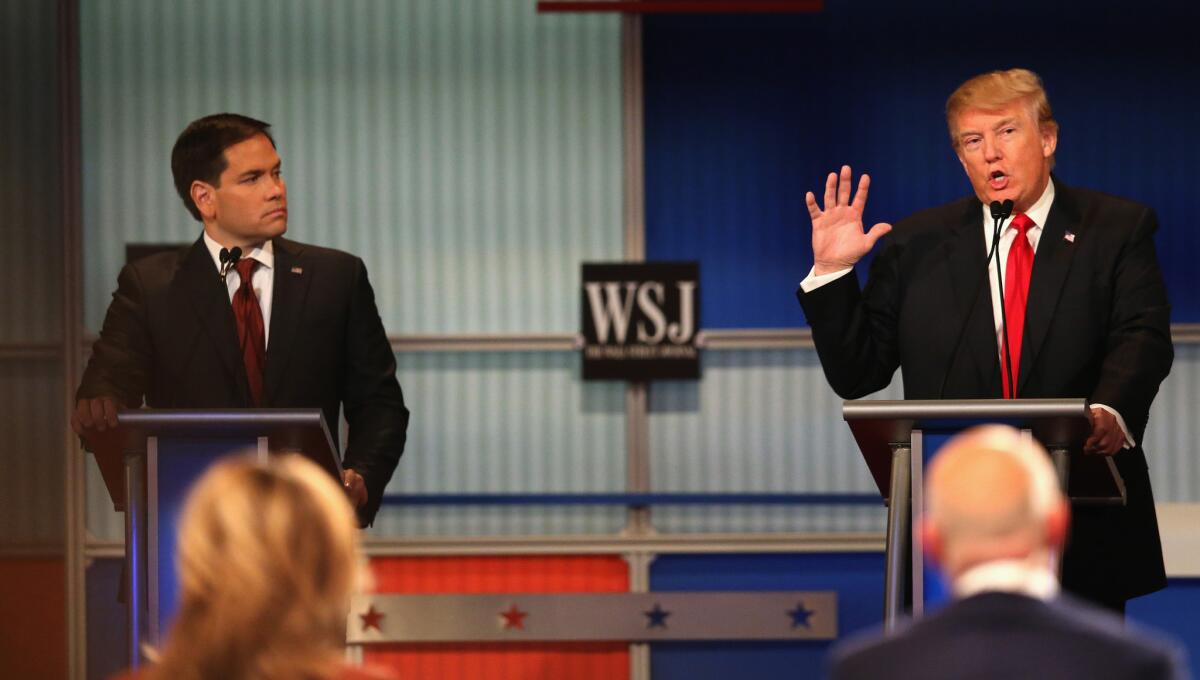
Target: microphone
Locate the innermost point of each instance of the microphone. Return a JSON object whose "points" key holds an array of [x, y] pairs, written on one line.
{"points": [[1000, 212], [229, 258]]}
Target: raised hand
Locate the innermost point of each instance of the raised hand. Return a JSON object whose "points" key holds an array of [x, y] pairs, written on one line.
{"points": [[838, 239]]}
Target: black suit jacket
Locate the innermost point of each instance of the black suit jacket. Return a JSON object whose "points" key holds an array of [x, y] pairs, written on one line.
{"points": [[1001, 636], [169, 338], [1097, 326]]}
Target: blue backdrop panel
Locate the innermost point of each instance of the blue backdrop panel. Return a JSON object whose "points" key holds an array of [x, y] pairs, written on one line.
{"points": [[1173, 611], [743, 114], [856, 577]]}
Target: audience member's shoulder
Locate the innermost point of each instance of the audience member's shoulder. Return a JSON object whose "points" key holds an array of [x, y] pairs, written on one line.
{"points": [[1142, 646], [865, 652]]}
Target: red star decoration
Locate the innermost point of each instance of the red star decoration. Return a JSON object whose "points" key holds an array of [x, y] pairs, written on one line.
{"points": [[371, 619], [513, 618]]}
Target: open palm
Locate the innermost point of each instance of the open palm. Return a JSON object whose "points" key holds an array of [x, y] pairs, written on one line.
{"points": [[838, 239]]}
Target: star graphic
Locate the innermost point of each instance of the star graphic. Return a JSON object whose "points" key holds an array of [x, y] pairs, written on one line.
{"points": [[800, 615], [372, 619], [657, 617], [513, 618]]}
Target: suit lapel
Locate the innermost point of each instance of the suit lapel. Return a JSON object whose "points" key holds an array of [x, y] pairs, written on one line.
{"points": [[1051, 264], [967, 258], [210, 301], [293, 271]]}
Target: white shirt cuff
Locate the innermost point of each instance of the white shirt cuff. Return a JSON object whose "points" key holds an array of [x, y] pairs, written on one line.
{"points": [[813, 282], [1129, 443]]}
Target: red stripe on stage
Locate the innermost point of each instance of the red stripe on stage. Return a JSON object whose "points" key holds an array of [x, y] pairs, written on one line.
{"points": [[503, 661]]}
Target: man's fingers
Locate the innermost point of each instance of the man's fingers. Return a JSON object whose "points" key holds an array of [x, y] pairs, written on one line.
{"points": [[844, 186], [96, 409], [814, 211], [110, 411], [831, 191], [860, 196], [83, 414], [877, 232], [356, 487]]}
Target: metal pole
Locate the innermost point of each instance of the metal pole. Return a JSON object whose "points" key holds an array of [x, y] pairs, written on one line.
{"points": [[894, 584]]}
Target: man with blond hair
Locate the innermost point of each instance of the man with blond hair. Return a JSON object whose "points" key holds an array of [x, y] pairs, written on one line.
{"points": [[1078, 290], [997, 548]]}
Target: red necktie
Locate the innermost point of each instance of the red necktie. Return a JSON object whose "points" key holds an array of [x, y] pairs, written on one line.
{"points": [[1016, 292], [251, 335]]}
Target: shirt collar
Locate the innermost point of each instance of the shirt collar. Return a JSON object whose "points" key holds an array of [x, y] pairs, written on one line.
{"points": [[1038, 212], [1008, 576], [265, 254]]}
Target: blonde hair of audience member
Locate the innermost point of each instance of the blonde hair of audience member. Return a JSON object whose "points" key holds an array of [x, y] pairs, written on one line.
{"points": [[268, 559], [995, 90], [992, 494]]}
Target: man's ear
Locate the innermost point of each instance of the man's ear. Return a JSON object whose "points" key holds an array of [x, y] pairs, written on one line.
{"points": [[1058, 521], [1049, 140], [931, 542], [205, 198]]}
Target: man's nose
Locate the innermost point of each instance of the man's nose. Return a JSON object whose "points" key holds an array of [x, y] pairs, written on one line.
{"points": [[276, 188], [991, 150]]}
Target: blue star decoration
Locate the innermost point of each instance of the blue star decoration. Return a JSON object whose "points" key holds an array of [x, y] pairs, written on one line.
{"points": [[800, 615], [657, 617]]}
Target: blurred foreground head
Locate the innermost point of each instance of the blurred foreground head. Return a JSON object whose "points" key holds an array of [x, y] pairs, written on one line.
{"points": [[992, 494], [268, 560]]}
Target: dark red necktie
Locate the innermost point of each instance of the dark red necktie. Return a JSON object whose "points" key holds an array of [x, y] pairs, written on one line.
{"points": [[1016, 293], [251, 335]]}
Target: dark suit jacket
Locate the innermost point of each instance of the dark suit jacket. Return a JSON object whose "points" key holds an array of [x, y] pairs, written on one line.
{"points": [[169, 338], [1096, 326], [1002, 636]]}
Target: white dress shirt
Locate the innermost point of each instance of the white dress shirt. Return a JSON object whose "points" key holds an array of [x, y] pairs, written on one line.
{"points": [[1008, 576], [1038, 212], [262, 280]]}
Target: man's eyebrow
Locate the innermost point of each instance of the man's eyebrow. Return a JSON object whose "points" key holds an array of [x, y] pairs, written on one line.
{"points": [[1004, 123]]}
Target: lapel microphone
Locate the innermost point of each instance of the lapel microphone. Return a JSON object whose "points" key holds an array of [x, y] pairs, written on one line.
{"points": [[1000, 212], [229, 258]]}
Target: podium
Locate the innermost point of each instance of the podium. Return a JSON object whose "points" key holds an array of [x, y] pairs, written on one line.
{"points": [[151, 460], [898, 438]]}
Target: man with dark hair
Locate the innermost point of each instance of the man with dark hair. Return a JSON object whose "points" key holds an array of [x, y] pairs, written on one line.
{"points": [[244, 318], [1083, 302]]}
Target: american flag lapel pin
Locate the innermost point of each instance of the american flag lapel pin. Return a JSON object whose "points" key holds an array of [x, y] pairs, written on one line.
{"points": [[300, 270], [1069, 237]]}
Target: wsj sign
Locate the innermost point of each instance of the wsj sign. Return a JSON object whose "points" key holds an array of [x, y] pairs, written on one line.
{"points": [[640, 321]]}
